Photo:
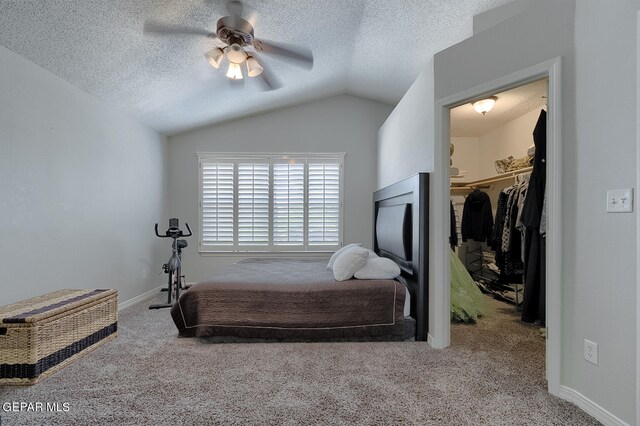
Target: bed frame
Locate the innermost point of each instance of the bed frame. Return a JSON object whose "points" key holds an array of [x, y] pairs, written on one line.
{"points": [[401, 233]]}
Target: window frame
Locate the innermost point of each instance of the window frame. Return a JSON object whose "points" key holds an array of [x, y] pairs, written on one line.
{"points": [[271, 158]]}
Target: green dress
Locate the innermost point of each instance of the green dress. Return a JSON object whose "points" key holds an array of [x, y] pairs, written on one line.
{"points": [[467, 301]]}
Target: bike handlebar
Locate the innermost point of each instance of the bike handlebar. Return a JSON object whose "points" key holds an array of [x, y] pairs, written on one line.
{"points": [[170, 234]]}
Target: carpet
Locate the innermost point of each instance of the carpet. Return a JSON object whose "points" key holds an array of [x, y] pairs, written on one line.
{"points": [[493, 374]]}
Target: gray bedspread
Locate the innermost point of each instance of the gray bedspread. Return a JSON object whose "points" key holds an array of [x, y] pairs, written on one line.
{"points": [[290, 299]]}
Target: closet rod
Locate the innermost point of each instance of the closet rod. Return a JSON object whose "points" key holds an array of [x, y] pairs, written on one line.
{"points": [[465, 189]]}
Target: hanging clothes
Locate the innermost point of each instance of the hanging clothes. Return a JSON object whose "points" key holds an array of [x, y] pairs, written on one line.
{"points": [[519, 225], [477, 217], [506, 238], [533, 305], [501, 214], [514, 245], [453, 234]]}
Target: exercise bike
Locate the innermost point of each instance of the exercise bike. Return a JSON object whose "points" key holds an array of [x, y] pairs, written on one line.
{"points": [[174, 266]]}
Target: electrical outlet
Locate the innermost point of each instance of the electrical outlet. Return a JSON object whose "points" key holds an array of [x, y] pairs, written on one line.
{"points": [[591, 351], [620, 200]]}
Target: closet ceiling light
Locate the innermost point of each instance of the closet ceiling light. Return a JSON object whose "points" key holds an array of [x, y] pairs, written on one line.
{"points": [[483, 106]]}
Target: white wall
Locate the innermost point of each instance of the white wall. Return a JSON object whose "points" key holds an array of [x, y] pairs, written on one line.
{"points": [[598, 152], [488, 19], [466, 157], [338, 124], [82, 185], [599, 280], [510, 139], [405, 141], [477, 155]]}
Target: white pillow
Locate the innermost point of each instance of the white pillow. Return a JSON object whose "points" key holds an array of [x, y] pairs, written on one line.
{"points": [[348, 262], [379, 268], [372, 254], [342, 250]]}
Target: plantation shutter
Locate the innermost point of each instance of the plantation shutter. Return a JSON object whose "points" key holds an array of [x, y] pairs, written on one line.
{"points": [[267, 202], [217, 204], [288, 203], [323, 202], [253, 204]]}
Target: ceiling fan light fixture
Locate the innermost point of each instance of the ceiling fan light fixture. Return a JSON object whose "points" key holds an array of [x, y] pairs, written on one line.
{"points": [[214, 56], [234, 72], [483, 106], [236, 54], [254, 69]]}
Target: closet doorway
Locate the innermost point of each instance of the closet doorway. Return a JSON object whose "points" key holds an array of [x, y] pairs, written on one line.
{"points": [[498, 222], [440, 266]]}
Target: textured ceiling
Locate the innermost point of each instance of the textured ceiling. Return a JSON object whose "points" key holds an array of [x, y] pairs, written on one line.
{"points": [[371, 48], [511, 104]]}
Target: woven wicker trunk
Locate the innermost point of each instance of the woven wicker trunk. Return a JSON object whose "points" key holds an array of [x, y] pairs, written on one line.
{"points": [[40, 336]]}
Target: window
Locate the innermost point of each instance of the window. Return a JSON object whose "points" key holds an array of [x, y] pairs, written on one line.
{"points": [[270, 202]]}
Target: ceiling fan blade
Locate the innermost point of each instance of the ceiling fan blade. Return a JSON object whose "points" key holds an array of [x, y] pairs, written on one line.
{"points": [[160, 28], [269, 81], [267, 78], [236, 84], [235, 8], [299, 55]]}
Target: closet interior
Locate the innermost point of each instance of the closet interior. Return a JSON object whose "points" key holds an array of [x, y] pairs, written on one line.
{"points": [[498, 175]]}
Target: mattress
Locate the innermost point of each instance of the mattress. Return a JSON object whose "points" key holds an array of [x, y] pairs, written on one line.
{"points": [[290, 299]]}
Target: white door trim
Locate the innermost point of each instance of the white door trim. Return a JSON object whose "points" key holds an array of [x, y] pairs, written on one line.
{"points": [[440, 273], [637, 220]]}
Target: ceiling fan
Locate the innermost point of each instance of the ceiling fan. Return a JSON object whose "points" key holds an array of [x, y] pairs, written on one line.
{"points": [[236, 43]]}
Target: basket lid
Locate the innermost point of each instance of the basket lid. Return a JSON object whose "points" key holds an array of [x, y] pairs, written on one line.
{"points": [[48, 305]]}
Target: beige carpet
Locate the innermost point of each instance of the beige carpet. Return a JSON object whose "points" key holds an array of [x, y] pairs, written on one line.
{"points": [[492, 375]]}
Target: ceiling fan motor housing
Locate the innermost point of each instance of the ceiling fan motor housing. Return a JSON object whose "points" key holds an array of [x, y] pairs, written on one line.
{"points": [[235, 30]]}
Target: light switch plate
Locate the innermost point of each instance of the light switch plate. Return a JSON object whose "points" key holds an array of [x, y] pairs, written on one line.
{"points": [[620, 200]]}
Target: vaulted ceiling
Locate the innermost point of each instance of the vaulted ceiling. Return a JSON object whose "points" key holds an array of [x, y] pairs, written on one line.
{"points": [[371, 48]]}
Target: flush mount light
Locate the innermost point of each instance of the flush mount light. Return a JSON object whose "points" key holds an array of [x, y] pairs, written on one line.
{"points": [[234, 72], [483, 106], [214, 56]]}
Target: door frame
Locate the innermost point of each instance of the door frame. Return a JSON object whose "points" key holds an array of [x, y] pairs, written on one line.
{"points": [[637, 219], [440, 269]]}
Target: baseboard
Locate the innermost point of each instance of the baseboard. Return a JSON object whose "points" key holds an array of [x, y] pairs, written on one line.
{"points": [[590, 407], [140, 298], [435, 344]]}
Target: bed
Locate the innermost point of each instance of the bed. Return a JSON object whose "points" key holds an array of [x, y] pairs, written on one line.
{"points": [[298, 299]]}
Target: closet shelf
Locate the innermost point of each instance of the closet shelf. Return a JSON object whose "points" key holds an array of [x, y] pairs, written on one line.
{"points": [[469, 186]]}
